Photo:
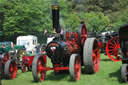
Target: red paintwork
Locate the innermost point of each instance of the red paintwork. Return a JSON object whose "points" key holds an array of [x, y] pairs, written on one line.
{"points": [[13, 70], [112, 49], [96, 57], [74, 46], [41, 63], [12, 67], [83, 34], [101, 45], [54, 68], [77, 68], [75, 43], [27, 61], [5, 59]]}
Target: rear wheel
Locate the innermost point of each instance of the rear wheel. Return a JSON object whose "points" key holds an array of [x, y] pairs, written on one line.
{"points": [[91, 55], [75, 67], [124, 72], [37, 65], [10, 69]]}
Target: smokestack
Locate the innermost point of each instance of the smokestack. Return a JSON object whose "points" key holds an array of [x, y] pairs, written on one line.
{"points": [[55, 18], [1, 20], [81, 21]]}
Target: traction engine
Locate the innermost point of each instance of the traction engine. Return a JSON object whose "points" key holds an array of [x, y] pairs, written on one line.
{"points": [[123, 39], [8, 67], [68, 51]]}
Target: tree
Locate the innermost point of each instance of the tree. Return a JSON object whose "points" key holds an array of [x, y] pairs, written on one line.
{"points": [[24, 17], [96, 21]]}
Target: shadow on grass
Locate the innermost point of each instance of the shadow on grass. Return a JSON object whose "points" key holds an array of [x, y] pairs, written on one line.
{"points": [[57, 76], [117, 74], [105, 60], [5, 77]]}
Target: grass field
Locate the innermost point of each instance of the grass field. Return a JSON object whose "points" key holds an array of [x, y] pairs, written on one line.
{"points": [[109, 74]]}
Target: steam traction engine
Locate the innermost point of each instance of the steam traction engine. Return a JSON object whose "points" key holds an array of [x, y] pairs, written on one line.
{"points": [[113, 47], [8, 66], [123, 37], [110, 46], [69, 51]]}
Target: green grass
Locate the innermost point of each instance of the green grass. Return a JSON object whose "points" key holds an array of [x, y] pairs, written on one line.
{"points": [[109, 74]]}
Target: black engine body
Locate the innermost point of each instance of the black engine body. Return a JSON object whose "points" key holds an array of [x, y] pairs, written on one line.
{"points": [[123, 39]]}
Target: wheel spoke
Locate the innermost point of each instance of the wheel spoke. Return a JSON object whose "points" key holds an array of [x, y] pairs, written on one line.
{"points": [[112, 44], [115, 43], [114, 55], [111, 47], [113, 52]]}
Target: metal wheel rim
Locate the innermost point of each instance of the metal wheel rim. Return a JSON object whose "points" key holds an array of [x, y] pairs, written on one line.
{"points": [[124, 72]]}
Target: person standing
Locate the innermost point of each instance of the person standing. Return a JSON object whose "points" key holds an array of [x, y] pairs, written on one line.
{"points": [[12, 52], [38, 48]]}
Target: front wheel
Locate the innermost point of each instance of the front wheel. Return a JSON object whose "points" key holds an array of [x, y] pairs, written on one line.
{"points": [[124, 72], [113, 49], [10, 69], [37, 65], [75, 67]]}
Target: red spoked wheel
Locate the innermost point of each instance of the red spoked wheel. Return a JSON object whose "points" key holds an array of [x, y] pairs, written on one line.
{"points": [[75, 67], [24, 68], [10, 69], [82, 34], [113, 49], [5, 58], [91, 55], [38, 64]]}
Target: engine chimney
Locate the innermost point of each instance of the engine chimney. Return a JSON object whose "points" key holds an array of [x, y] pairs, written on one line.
{"points": [[55, 18]]}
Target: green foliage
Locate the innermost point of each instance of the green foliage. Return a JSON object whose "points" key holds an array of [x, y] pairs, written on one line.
{"points": [[72, 22], [96, 21], [23, 17], [112, 8]]}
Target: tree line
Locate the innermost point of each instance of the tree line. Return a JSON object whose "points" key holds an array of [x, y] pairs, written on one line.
{"points": [[23, 17]]}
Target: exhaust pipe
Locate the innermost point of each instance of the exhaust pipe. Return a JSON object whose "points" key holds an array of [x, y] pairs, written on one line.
{"points": [[55, 18]]}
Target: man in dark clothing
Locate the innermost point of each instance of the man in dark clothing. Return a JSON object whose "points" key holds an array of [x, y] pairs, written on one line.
{"points": [[38, 49]]}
